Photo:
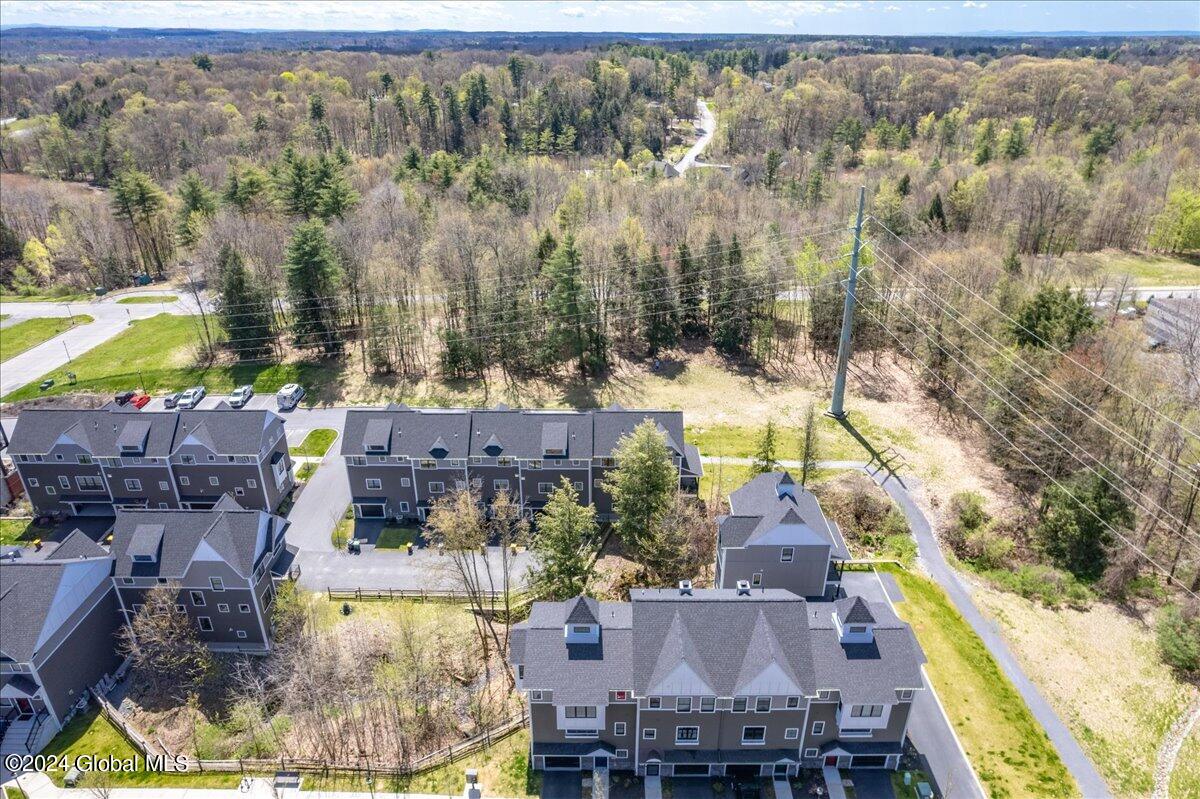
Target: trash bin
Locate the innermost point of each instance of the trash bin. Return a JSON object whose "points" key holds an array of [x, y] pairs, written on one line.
{"points": [[100, 291], [143, 280]]}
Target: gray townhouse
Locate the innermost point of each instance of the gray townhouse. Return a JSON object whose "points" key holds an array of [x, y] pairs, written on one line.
{"points": [[777, 536], [400, 460], [59, 619], [739, 682], [88, 462], [221, 559]]}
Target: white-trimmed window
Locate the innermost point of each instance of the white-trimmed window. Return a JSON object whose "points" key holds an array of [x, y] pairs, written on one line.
{"points": [[621, 754], [687, 735], [499, 485], [811, 752], [374, 484], [180, 609], [241, 633], [791, 733], [251, 483], [739, 704], [793, 702], [133, 485], [460, 485], [906, 693], [708, 704], [197, 598], [162, 485], [239, 491], [786, 554], [217, 583], [654, 702], [756, 579], [64, 481], [619, 728], [866, 712], [535, 696], [405, 482], [222, 607], [580, 712], [818, 728], [33, 482], [578, 485], [762, 704], [649, 734], [214, 481], [243, 608], [683, 704], [51, 490], [581, 733], [184, 480], [437, 488], [754, 736], [545, 488], [205, 623], [126, 581], [477, 482], [404, 507]]}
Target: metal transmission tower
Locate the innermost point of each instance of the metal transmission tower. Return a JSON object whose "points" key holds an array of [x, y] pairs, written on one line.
{"points": [[836, 406]]}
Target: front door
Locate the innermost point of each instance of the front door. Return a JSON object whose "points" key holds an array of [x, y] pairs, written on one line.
{"points": [[24, 708], [601, 762], [651, 769], [831, 760], [781, 769]]}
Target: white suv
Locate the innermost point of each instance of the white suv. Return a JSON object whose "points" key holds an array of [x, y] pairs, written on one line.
{"points": [[191, 398], [289, 396]]}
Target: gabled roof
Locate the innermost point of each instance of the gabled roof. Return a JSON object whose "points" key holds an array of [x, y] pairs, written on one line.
{"points": [[679, 668], [854, 610], [77, 545], [37, 597], [583, 611], [412, 432], [228, 431], [145, 541], [766, 669], [772, 509], [865, 672]]}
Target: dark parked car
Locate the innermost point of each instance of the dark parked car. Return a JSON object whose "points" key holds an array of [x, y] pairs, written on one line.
{"points": [[171, 400], [124, 397]]}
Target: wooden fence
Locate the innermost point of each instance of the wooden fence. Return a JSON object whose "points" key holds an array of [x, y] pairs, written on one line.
{"points": [[420, 594]]}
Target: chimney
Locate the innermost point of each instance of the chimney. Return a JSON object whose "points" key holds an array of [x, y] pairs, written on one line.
{"points": [[685, 587], [743, 588]]}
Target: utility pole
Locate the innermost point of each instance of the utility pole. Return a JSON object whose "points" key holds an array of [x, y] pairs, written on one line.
{"points": [[836, 406]]}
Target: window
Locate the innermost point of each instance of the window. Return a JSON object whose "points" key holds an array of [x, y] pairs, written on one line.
{"points": [[212, 458], [581, 629], [162, 485], [818, 728], [621, 754], [96, 484], [687, 735], [545, 488], [428, 464], [180, 609], [683, 704], [708, 704], [793, 702], [791, 733], [239, 491], [251, 483], [810, 752], [654, 702], [184, 481], [64, 481], [126, 581], [580, 712], [756, 579], [578, 485], [649, 734], [620, 696], [786, 554], [187, 459], [619, 728], [162, 506], [499, 485], [58, 457], [197, 599], [754, 735], [520, 671], [214, 481], [739, 704], [161, 581], [33, 482], [866, 711], [437, 488], [460, 485], [581, 733], [596, 481], [83, 459], [222, 607], [205, 623], [217, 583], [504, 461], [476, 482], [762, 704], [241, 633], [535, 696], [906, 693], [51, 490], [374, 484], [243, 608], [404, 507], [858, 629], [405, 482]]}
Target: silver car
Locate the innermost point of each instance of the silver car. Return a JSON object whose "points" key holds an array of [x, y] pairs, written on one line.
{"points": [[240, 396], [191, 398]]}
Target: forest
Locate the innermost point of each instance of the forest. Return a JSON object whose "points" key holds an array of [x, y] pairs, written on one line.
{"points": [[476, 214]]}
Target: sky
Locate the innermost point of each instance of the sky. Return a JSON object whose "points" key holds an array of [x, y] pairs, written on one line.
{"points": [[634, 16]]}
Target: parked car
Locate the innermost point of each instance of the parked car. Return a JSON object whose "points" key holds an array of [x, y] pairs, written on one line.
{"points": [[191, 398], [124, 397], [140, 400], [240, 396], [171, 400], [289, 396]]}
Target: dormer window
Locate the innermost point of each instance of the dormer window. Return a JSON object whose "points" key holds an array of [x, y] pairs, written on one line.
{"points": [[583, 633], [854, 621]]}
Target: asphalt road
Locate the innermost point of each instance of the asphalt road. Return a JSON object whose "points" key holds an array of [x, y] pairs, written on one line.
{"points": [[707, 127]]}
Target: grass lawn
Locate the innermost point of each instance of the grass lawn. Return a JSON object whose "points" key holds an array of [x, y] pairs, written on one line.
{"points": [[397, 537], [148, 299], [834, 443], [1119, 708], [909, 791], [1148, 269], [1009, 750], [19, 532], [23, 335], [159, 354], [305, 471], [67, 296], [315, 444]]}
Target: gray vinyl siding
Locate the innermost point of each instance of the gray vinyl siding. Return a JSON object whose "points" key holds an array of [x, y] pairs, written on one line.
{"points": [[488, 475], [391, 476], [721, 729], [272, 495], [826, 712], [553, 475], [803, 576], [149, 477], [448, 476], [47, 474], [230, 476], [86, 655]]}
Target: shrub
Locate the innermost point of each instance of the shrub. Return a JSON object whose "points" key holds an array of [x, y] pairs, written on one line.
{"points": [[1178, 633], [1043, 584], [988, 549], [967, 518], [901, 547]]}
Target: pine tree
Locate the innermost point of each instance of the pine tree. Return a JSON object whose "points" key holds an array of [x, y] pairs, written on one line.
{"points": [[197, 205], [658, 312], [808, 445], [336, 197], [935, 214], [714, 265], [139, 202], [1016, 143], [691, 292], [985, 142], [568, 304], [764, 456], [644, 484], [295, 184], [731, 330], [565, 544], [243, 308], [312, 276]]}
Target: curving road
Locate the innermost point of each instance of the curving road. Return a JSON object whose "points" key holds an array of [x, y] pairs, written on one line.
{"points": [[707, 127]]}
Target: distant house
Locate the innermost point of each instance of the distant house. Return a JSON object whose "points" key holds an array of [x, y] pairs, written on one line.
{"points": [[1174, 322], [58, 639], [664, 168], [87, 462], [740, 682], [221, 559], [400, 460], [777, 536]]}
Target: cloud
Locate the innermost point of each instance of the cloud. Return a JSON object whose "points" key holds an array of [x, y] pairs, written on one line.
{"points": [[973, 4], [890, 9], [572, 11]]}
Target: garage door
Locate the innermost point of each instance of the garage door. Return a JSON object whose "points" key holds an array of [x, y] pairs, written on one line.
{"points": [[370, 511], [869, 761], [691, 770], [742, 772], [562, 762]]}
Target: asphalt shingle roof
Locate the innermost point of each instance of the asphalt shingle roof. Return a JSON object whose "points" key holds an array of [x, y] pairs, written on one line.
{"points": [[77, 545], [27, 591], [770, 500]]}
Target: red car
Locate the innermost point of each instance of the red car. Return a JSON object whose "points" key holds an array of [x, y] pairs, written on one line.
{"points": [[140, 400]]}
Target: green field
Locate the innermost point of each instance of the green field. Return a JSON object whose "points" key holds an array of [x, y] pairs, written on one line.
{"points": [[1148, 269], [1009, 750], [28, 334], [315, 444], [148, 299], [397, 537], [53, 296], [159, 355], [834, 443], [19, 532]]}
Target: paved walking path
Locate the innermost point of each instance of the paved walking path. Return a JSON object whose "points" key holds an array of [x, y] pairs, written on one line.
{"points": [[783, 789], [833, 783], [1168, 752]]}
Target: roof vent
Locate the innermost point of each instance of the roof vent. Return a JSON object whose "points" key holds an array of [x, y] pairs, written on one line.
{"points": [[685, 587], [743, 588]]}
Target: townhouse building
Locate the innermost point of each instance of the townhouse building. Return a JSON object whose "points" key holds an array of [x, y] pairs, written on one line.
{"points": [[59, 619], [740, 682], [400, 460], [88, 462], [221, 560], [777, 536]]}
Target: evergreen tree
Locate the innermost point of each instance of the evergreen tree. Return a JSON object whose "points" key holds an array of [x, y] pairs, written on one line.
{"points": [[1016, 141], [565, 545], [658, 311], [643, 485], [809, 446], [712, 274], [139, 202], [1076, 519], [935, 214], [316, 107], [731, 329], [197, 205], [246, 188], [904, 186], [312, 274], [1053, 317], [569, 306], [985, 142], [243, 308], [764, 455], [691, 293], [336, 197], [771, 167], [295, 184]]}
